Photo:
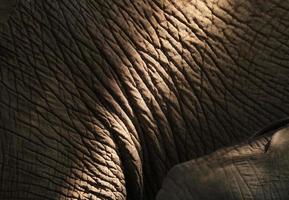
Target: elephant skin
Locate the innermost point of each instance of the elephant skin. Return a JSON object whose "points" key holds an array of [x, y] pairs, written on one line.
{"points": [[6, 7], [258, 170], [100, 98]]}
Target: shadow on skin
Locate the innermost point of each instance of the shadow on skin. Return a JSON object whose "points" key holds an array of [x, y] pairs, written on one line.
{"points": [[104, 97], [258, 170], [6, 7]]}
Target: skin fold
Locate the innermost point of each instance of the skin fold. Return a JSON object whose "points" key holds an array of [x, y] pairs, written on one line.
{"points": [[258, 170], [99, 99]]}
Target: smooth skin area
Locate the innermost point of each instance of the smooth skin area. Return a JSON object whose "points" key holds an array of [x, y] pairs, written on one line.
{"points": [[99, 99]]}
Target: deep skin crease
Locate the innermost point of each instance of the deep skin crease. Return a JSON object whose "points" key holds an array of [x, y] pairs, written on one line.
{"points": [[255, 170], [99, 99]]}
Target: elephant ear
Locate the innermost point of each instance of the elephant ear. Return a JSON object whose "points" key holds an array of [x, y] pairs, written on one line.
{"points": [[6, 8]]}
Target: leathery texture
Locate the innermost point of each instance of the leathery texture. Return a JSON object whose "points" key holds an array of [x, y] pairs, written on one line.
{"points": [[6, 8], [100, 98], [256, 170]]}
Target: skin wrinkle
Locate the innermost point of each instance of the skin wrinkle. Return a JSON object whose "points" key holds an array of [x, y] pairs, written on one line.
{"points": [[144, 76], [163, 82], [265, 183]]}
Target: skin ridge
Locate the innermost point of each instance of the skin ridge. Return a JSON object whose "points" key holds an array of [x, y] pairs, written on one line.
{"points": [[243, 171], [275, 126], [173, 98]]}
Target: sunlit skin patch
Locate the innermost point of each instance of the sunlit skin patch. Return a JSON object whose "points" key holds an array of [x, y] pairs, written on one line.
{"points": [[279, 146], [124, 90], [258, 170]]}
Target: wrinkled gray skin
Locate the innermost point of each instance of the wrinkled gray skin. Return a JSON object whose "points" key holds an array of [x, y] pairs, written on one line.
{"points": [[100, 98], [258, 170]]}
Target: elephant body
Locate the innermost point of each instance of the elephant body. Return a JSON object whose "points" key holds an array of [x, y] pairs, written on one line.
{"points": [[100, 98], [256, 170]]}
